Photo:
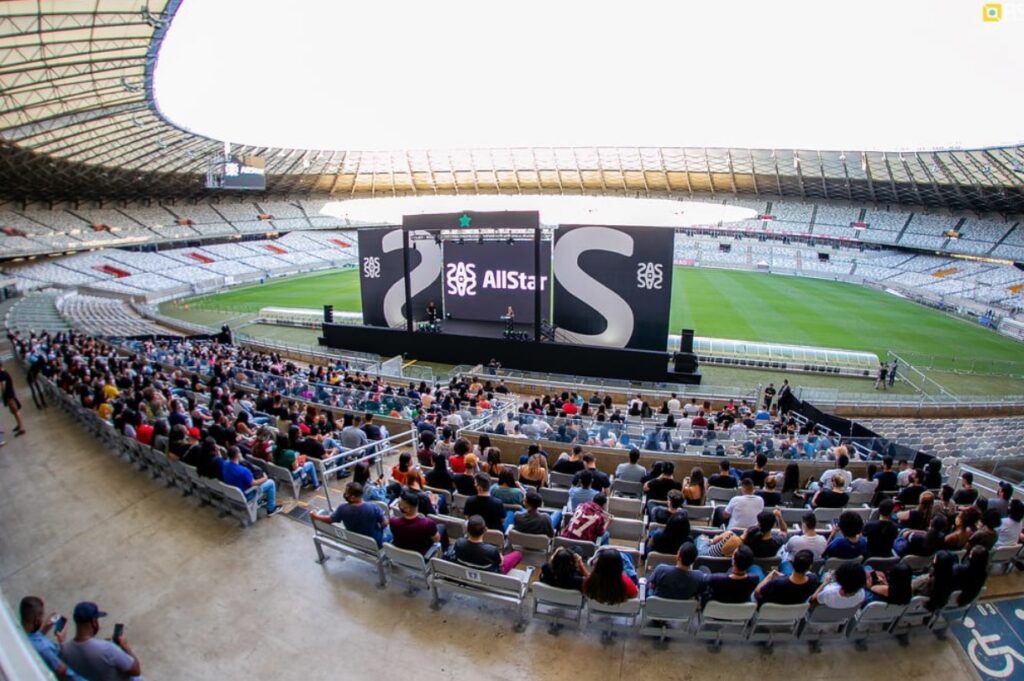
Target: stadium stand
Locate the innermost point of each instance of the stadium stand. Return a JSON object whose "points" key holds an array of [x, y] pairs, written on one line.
{"points": [[105, 317]]}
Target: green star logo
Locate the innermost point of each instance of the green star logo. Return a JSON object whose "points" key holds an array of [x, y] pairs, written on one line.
{"points": [[465, 220]]}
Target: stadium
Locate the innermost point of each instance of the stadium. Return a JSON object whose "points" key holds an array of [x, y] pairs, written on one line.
{"points": [[357, 276]]}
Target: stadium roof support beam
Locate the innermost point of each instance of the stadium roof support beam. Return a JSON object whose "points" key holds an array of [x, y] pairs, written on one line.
{"points": [[732, 171]]}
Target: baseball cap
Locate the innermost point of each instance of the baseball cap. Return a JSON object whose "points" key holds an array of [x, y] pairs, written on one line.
{"points": [[87, 611], [194, 433]]}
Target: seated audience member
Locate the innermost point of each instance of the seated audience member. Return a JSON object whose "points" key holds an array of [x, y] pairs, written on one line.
{"points": [[741, 511], [988, 533], [570, 464], [658, 488], [285, 457], [457, 459], [239, 476], [881, 533], [660, 514], [403, 466], [1010, 527], [963, 525], [758, 474], [723, 478], [465, 482], [945, 504], [589, 521], [507, 490], [763, 539], [608, 581], [675, 533], [357, 516], [36, 626], [491, 509], [532, 521], [791, 589], [565, 569], [412, 531], [917, 518], [933, 474], [734, 586], [425, 452], [827, 478], [94, 658], [847, 540], [492, 462], [372, 491], [938, 583], [893, 586], [471, 550], [534, 472], [678, 582], [911, 494], [582, 492], [922, 542], [842, 588], [695, 488], [438, 477], [967, 494], [631, 471], [969, 577], [833, 497], [807, 540], [602, 483], [866, 485], [771, 497]]}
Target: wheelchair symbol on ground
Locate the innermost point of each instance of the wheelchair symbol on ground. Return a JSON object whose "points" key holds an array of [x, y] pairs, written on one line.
{"points": [[991, 636]]}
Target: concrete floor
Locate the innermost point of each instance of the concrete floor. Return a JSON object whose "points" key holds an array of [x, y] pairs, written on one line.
{"points": [[204, 599]]}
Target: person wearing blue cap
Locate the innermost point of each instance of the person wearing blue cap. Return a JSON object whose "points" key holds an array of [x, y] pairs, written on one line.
{"points": [[94, 658]]}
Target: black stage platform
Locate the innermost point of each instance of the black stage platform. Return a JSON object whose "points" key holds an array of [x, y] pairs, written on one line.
{"points": [[474, 342]]}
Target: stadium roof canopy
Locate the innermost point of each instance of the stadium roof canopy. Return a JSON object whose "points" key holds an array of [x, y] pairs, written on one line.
{"points": [[78, 121]]}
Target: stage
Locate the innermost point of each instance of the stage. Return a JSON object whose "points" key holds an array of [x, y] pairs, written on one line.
{"points": [[476, 342]]}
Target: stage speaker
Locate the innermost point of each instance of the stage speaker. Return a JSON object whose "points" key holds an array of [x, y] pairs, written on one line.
{"points": [[329, 314], [686, 341], [684, 362]]}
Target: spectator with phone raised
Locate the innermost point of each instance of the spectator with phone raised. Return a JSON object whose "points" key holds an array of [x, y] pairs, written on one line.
{"points": [[37, 626], [94, 658]]}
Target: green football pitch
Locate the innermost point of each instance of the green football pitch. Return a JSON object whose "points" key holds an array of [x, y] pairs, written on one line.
{"points": [[725, 304]]}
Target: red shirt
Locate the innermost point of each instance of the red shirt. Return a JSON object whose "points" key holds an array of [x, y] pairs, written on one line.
{"points": [[570, 408], [457, 463], [144, 434]]}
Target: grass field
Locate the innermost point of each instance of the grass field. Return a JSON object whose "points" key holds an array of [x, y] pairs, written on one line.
{"points": [[724, 304]]}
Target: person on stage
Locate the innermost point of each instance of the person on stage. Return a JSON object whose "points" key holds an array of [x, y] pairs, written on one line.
{"points": [[431, 312], [510, 319]]}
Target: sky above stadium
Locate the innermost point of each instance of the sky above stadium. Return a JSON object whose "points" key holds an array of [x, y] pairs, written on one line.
{"points": [[795, 74]]}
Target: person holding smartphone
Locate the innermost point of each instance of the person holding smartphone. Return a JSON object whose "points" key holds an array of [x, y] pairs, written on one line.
{"points": [[36, 626], [94, 658]]}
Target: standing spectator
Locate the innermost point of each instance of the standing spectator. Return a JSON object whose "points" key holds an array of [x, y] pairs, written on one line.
{"points": [[892, 372], [883, 372], [94, 658], [11, 399], [769, 395], [36, 627]]}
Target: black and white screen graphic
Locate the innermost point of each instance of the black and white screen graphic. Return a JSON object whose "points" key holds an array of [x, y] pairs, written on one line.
{"points": [[613, 285], [245, 172], [481, 280], [382, 275]]}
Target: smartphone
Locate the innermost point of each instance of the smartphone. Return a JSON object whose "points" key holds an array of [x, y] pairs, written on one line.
{"points": [[118, 632], [58, 624]]}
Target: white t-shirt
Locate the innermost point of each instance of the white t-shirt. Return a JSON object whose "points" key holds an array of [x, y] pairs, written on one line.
{"points": [[1009, 532], [743, 510], [832, 596], [800, 542], [673, 405], [826, 477]]}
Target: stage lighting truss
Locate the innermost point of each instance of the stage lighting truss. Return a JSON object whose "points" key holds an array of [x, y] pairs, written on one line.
{"points": [[481, 235]]}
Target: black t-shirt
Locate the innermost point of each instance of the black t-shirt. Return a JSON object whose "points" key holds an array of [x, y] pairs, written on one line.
{"points": [[965, 497], [781, 590], [764, 548], [547, 575], [722, 480], [770, 498], [826, 498], [567, 466], [887, 481], [476, 555], [311, 448], [724, 589], [464, 484], [756, 476], [8, 382], [881, 534], [439, 479], [910, 496], [601, 481], [488, 508], [659, 488]]}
